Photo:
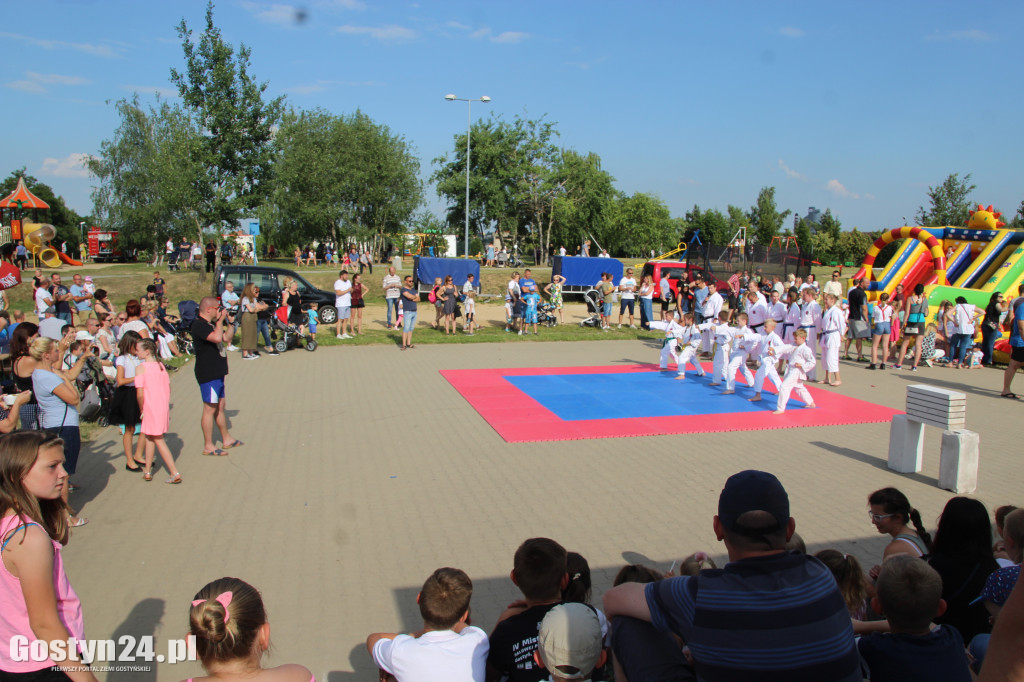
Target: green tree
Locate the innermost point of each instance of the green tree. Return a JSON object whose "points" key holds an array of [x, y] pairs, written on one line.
{"points": [[585, 206], [640, 222], [853, 245], [236, 149], [950, 203], [714, 227], [1018, 220], [765, 218], [65, 219], [803, 237]]}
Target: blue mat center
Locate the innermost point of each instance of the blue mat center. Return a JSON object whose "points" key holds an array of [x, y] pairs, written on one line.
{"points": [[627, 395]]}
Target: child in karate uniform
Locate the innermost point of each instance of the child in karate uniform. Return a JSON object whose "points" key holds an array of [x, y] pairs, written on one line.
{"points": [[745, 341], [766, 366], [810, 321], [685, 341], [792, 316], [711, 310], [800, 361], [722, 334], [776, 310], [833, 327]]}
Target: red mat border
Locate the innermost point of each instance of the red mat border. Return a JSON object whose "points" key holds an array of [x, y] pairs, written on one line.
{"points": [[518, 418]]}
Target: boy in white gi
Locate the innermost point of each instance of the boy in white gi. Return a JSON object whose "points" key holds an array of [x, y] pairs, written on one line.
{"points": [[777, 309], [800, 361], [766, 361], [686, 341], [757, 312], [810, 321], [792, 320], [833, 326], [673, 330], [711, 310], [745, 341], [721, 333]]}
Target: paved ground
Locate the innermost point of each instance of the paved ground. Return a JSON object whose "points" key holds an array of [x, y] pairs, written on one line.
{"points": [[363, 471]]}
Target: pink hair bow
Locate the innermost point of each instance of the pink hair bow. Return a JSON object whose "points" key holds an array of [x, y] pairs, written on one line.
{"points": [[224, 599], [701, 556]]}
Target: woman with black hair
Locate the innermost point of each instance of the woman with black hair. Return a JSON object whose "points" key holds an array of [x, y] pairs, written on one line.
{"points": [[962, 555], [891, 513]]}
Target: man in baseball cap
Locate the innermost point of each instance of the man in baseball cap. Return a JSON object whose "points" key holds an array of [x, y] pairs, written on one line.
{"points": [[569, 642], [738, 619]]}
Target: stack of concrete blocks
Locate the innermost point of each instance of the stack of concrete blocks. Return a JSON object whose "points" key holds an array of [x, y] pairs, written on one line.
{"points": [[958, 463]]}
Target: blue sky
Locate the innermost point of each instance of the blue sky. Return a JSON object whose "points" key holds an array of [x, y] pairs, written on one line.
{"points": [[857, 106]]}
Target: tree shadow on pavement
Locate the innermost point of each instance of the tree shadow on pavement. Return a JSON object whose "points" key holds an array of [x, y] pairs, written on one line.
{"points": [[874, 460]]}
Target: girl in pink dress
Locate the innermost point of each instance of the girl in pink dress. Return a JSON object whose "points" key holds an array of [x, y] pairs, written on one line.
{"points": [[154, 390]]}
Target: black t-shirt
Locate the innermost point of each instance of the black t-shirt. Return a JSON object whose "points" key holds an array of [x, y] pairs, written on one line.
{"points": [[858, 299], [896, 657], [211, 360], [512, 645]]}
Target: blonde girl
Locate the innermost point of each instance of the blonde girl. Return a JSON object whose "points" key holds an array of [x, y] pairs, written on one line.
{"points": [[39, 602], [232, 634]]}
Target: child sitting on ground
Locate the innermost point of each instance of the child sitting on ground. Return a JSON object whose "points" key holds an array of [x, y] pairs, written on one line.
{"points": [[448, 647], [539, 571], [910, 596], [569, 643]]}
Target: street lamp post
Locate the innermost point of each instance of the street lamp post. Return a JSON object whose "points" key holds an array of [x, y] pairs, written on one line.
{"points": [[469, 125]]}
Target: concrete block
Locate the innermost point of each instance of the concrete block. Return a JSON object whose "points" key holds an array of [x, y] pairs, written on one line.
{"points": [[906, 444], [958, 464]]}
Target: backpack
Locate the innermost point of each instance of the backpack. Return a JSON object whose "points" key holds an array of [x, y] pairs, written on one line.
{"points": [[432, 296], [89, 405]]}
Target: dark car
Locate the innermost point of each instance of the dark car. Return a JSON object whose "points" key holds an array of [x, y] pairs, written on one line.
{"points": [[269, 281]]}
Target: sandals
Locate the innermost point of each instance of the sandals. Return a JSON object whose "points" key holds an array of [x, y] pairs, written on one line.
{"points": [[216, 452], [236, 444], [79, 523], [1011, 396], [134, 470], [147, 476], [174, 480]]}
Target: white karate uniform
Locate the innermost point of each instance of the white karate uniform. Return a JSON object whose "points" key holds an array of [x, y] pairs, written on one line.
{"points": [[712, 306], [799, 359], [722, 335], [833, 327], [810, 321], [791, 323], [668, 348], [768, 362], [777, 312], [744, 344], [687, 348], [757, 313]]}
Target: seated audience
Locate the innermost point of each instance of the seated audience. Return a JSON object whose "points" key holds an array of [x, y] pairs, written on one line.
{"points": [[569, 643], [448, 648], [910, 596]]}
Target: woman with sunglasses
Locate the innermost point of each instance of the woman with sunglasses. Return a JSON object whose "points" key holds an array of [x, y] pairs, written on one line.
{"points": [[102, 304], [891, 513], [990, 327]]}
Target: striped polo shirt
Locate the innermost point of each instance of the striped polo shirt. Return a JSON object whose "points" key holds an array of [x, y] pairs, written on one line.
{"points": [[774, 618]]}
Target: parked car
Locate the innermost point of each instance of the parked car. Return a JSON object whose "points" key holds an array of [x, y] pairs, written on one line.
{"points": [[679, 270], [269, 281]]}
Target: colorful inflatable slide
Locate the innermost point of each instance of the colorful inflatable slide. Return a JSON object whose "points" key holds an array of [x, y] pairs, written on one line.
{"points": [[972, 261]]}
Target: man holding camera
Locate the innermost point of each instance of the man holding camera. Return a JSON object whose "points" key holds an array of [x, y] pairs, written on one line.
{"points": [[209, 334]]}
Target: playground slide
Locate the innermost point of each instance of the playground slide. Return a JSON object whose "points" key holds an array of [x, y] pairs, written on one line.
{"points": [[921, 272], [894, 272], [958, 262], [987, 261], [67, 259], [1009, 272]]}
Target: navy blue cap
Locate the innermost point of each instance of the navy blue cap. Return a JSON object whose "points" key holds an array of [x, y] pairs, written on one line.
{"points": [[752, 491]]}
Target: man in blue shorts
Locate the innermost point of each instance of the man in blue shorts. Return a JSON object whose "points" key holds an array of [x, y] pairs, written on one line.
{"points": [[209, 334], [768, 615]]}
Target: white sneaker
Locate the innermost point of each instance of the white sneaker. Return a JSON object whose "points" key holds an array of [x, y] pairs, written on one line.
{"points": [[339, 336], [232, 348], [632, 326], [620, 326], [345, 336]]}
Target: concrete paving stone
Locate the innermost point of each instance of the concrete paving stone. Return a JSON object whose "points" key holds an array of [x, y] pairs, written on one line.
{"points": [[363, 471]]}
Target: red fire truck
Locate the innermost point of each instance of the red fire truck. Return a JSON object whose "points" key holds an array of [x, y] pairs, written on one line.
{"points": [[103, 246]]}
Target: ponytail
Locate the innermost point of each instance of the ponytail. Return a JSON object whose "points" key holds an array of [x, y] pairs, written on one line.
{"points": [[915, 518]]}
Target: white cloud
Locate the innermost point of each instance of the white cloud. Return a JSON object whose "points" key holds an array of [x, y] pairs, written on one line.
{"points": [[320, 86], [71, 166], [279, 15], [790, 172], [56, 79], [973, 35], [387, 34], [839, 190], [791, 32], [455, 24], [161, 90], [25, 86], [349, 4], [510, 37], [86, 48], [480, 33]]}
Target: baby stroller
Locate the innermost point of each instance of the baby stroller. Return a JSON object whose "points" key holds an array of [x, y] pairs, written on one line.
{"points": [[593, 300], [546, 315], [172, 260], [95, 391], [291, 335], [187, 313]]}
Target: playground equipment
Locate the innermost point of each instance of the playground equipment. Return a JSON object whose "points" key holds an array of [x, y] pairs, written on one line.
{"points": [[37, 237], [680, 248]]}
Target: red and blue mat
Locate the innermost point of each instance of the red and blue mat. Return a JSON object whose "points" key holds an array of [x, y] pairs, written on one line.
{"points": [[574, 403]]}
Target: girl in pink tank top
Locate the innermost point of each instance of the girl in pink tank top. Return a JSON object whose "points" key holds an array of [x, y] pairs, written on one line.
{"points": [[33, 586], [230, 625]]}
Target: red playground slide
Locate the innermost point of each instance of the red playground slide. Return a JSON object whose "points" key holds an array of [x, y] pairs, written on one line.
{"points": [[68, 259]]}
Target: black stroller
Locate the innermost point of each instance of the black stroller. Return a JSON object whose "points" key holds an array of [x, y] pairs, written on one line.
{"points": [[95, 392], [172, 260], [187, 313], [593, 300], [291, 335], [547, 315]]}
